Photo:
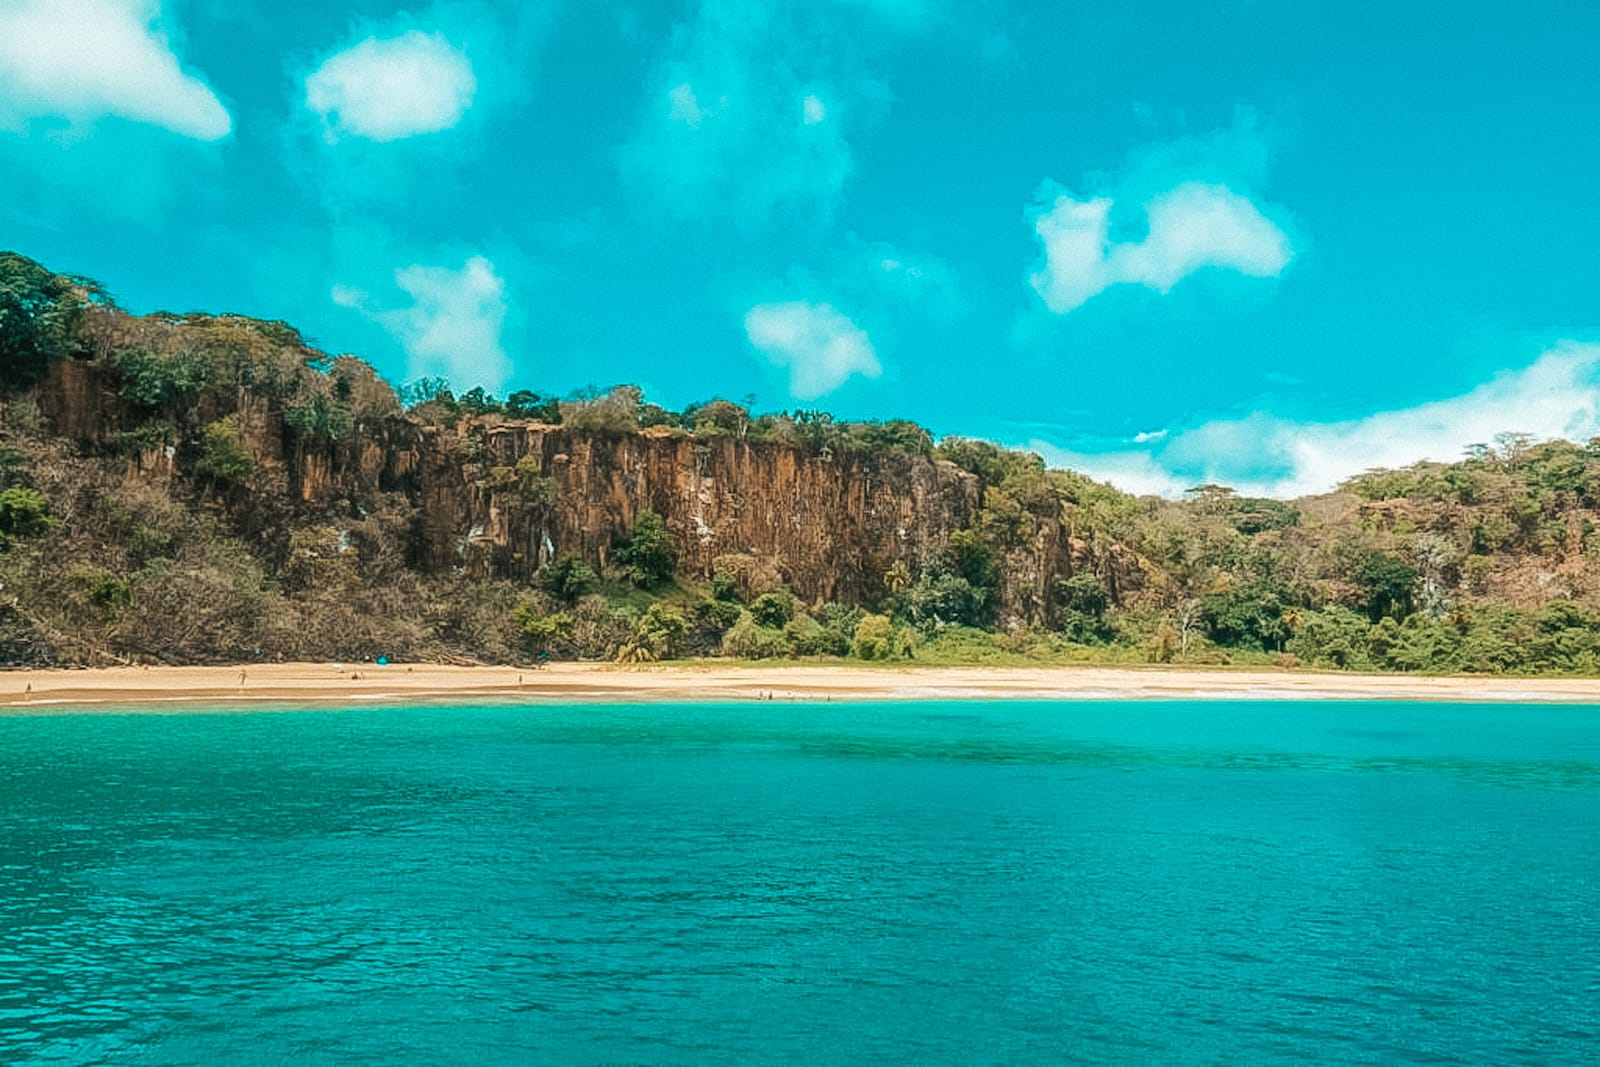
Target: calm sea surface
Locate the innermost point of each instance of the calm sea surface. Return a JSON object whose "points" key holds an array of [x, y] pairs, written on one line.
{"points": [[935, 882]]}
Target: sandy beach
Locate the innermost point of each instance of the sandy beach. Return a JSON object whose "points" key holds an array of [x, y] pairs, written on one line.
{"points": [[172, 688]]}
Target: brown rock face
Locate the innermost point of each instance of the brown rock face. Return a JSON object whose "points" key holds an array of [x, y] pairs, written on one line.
{"points": [[79, 401], [830, 526]]}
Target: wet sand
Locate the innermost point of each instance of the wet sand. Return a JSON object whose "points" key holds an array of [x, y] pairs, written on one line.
{"points": [[173, 688]]}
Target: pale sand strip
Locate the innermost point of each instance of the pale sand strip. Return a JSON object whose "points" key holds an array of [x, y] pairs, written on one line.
{"points": [[171, 688]]}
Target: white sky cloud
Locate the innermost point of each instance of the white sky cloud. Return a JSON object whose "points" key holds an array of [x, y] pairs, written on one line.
{"points": [[684, 107], [83, 60], [911, 286], [1558, 395], [452, 328], [1191, 226], [821, 347], [732, 130], [385, 89]]}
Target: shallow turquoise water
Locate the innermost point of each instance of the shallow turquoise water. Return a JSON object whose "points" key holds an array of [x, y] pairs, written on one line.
{"points": [[950, 882]]}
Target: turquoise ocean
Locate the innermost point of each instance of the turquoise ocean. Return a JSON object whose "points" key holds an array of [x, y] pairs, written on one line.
{"points": [[1142, 882]]}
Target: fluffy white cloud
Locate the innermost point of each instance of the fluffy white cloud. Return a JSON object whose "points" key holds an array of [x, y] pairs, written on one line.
{"points": [[384, 89], [1192, 226], [452, 327], [1133, 472], [87, 59], [1558, 395], [821, 347]]}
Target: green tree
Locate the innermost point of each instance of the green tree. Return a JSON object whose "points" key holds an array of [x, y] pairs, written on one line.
{"points": [[809, 637], [718, 418], [319, 415], [1333, 637], [13, 466], [1250, 614], [430, 400], [648, 554], [970, 556], [710, 618], [1082, 605], [940, 598], [39, 311], [773, 609], [657, 634], [1388, 586], [525, 404], [893, 435], [479, 401]]}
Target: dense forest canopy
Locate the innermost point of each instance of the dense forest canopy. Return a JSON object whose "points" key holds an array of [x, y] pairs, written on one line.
{"points": [[154, 505]]}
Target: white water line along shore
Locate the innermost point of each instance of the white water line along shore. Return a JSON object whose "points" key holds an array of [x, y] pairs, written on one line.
{"points": [[241, 686]]}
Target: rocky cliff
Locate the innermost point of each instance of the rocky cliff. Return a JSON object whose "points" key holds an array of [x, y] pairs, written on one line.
{"points": [[829, 527]]}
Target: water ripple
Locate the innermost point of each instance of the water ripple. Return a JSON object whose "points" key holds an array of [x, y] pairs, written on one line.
{"points": [[963, 882]]}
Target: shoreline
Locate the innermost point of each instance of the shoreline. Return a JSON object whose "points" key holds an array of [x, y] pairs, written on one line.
{"points": [[219, 688]]}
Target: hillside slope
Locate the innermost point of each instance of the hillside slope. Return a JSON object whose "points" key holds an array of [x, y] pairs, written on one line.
{"points": [[204, 488]]}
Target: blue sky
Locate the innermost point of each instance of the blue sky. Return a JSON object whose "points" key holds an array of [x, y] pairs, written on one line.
{"points": [[1270, 244]]}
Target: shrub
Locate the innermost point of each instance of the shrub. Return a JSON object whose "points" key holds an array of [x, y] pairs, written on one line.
{"points": [[540, 632], [746, 640], [568, 579], [158, 381], [872, 637], [616, 411], [537, 492], [710, 618], [725, 587], [23, 513], [224, 457], [808, 637], [104, 591], [943, 599]]}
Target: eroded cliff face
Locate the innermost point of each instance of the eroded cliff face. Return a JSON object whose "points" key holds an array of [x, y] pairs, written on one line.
{"points": [[829, 526]]}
